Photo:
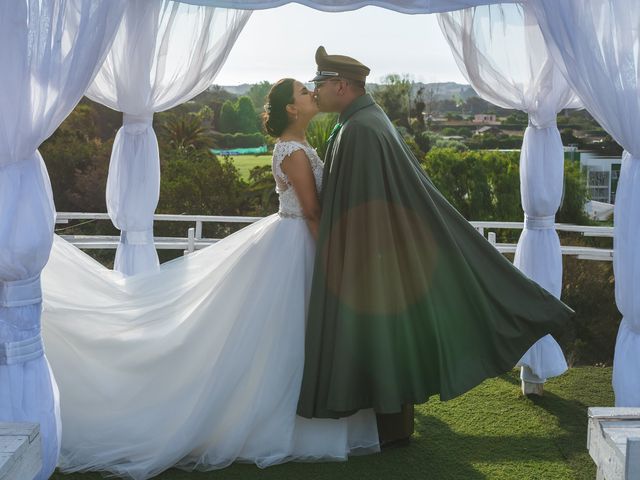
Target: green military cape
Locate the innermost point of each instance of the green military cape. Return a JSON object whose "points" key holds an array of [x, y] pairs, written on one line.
{"points": [[408, 299]]}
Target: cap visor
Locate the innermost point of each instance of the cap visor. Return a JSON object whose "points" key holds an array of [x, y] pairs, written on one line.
{"points": [[319, 78]]}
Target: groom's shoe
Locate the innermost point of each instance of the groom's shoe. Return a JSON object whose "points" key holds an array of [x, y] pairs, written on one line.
{"points": [[395, 429], [401, 442]]}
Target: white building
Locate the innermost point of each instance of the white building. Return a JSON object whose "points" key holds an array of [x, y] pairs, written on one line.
{"points": [[602, 176], [488, 118]]}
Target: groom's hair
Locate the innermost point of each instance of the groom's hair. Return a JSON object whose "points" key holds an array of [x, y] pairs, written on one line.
{"points": [[275, 116]]}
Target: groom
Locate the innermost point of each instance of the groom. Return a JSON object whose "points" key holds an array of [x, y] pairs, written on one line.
{"points": [[407, 300], [355, 285]]}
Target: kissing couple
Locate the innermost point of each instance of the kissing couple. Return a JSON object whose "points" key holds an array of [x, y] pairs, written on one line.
{"points": [[309, 335]]}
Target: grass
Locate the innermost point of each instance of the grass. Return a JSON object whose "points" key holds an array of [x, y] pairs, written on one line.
{"points": [[492, 432], [244, 163]]}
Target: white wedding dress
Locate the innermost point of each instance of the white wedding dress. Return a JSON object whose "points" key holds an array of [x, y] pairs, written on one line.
{"points": [[198, 365]]}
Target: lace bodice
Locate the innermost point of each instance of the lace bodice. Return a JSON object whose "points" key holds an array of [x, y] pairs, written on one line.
{"points": [[289, 203]]}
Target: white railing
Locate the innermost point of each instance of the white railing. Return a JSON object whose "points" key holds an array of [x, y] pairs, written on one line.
{"points": [[194, 240]]}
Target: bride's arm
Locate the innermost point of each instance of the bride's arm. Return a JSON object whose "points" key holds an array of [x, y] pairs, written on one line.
{"points": [[298, 170]]}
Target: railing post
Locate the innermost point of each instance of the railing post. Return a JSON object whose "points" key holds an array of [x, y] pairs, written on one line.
{"points": [[491, 236], [480, 230], [191, 241], [198, 229]]}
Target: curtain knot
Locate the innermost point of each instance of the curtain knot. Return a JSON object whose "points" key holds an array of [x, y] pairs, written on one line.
{"points": [[548, 123], [22, 351], [17, 162], [539, 223], [135, 124], [137, 237], [145, 118], [631, 325], [19, 293]]}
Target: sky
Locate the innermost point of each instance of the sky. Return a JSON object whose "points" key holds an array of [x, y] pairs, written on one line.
{"points": [[281, 42]]}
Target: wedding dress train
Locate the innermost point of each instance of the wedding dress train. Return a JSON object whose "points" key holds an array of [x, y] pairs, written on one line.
{"points": [[198, 365]]}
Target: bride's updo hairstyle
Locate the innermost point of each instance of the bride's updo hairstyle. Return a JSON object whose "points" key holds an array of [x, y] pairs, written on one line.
{"points": [[275, 115]]}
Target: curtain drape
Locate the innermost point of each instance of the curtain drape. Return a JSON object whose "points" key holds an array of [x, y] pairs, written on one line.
{"points": [[502, 53], [402, 6], [164, 54], [50, 50], [596, 44]]}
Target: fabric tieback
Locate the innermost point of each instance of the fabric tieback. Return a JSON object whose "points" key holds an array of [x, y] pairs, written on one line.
{"points": [[631, 325], [539, 223], [12, 353], [128, 119], [134, 124], [550, 123], [133, 237], [19, 293]]}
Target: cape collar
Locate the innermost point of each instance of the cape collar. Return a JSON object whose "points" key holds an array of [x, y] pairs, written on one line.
{"points": [[358, 104]]}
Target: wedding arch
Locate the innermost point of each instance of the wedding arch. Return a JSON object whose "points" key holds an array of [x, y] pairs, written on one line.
{"points": [[127, 55]]}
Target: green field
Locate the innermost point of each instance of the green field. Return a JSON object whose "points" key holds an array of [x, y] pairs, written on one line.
{"points": [[244, 163], [492, 432]]}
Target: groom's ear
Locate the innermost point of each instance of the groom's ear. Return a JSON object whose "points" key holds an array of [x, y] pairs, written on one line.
{"points": [[342, 88]]}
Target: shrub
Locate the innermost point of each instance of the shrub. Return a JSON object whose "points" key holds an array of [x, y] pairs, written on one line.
{"points": [[238, 140]]}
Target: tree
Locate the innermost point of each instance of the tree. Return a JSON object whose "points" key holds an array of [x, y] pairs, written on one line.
{"points": [[258, 94], [568, 137], [261, 197], [429, 100], [205, 115], [197, 182], [393, 96], [215, 96], [77, 168], [474, 105], [228, 122], [419, 107], [485, 185], [248, 121], [447, 105], [185, 132], [319, 130], [423, 141], [463, 179], [239, 117], [574, 195]]}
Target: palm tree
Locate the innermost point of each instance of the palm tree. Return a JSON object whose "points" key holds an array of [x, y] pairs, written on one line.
{"points": [[319, 130], [186, 133]]}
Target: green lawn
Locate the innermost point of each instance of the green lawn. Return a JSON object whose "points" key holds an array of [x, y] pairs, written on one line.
{"points": [[244, 163], [491, 432]]}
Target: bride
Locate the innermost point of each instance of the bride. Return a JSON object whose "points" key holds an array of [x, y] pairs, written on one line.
{"points": [[200, 364]]}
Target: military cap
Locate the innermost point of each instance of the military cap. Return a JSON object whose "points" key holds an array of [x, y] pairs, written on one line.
{"points": [[333, 66]]}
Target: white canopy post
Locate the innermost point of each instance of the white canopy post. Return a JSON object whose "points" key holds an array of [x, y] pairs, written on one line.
{"points": [[596, 44], [502, 53], [165, 53], [50, 51]]}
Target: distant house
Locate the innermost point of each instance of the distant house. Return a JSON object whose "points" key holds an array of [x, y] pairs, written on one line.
{"points": [[602, 174], [488, 129], [487, 118]]}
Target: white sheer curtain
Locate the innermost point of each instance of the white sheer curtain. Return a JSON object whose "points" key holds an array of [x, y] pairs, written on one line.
{"points": [[50, 51], [164, 54], [502, 53], [597, 44], [403, 6]]}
